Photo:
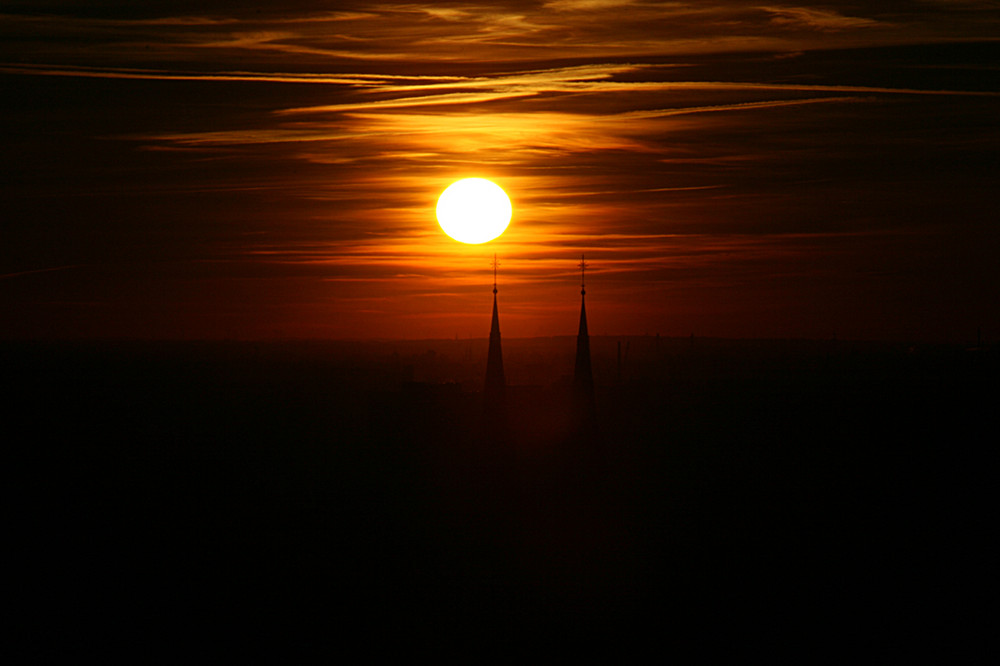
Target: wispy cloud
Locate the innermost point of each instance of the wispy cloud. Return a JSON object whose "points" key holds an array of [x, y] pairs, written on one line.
{"points": [[817, 19], [462, 32], [586, 5], [596, 78]]}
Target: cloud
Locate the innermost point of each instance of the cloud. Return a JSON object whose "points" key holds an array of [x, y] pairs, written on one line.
{"points": [[586, 5], [824, 20], [594, 78], [419, 32]]}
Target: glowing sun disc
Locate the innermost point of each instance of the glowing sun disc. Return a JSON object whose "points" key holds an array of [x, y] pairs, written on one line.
{"points": [[474, 210]]}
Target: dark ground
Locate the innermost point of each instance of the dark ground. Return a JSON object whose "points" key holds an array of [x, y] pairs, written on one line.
{"points": [[168, 498]]}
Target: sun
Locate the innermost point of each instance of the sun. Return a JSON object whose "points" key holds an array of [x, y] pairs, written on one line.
{"points": [[474, 210]]}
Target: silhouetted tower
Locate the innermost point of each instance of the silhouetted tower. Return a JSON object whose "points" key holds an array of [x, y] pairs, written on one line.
{"points": [[495, 390], [583, 377]]}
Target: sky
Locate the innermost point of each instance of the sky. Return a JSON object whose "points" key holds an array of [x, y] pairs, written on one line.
{"points": [[270, 170]]}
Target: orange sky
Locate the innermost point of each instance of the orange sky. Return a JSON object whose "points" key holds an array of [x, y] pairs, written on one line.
{"points": [[731, 169]]}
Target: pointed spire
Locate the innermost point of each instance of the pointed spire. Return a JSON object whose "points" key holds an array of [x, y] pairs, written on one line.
{"points": [[583, 378], [495, 388]]}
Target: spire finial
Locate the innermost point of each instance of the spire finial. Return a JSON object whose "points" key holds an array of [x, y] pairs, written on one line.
{"points": [[495, 264], [583, 276]]}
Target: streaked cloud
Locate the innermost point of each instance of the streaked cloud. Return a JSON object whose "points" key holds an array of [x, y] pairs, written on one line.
{"points": [[817, 19], [460, 32]]}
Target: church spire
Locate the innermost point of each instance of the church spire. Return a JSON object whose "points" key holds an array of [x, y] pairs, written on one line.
{"points": [[583, 378], [495, 389]]}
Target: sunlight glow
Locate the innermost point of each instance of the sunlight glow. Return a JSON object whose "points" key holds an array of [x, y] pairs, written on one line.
{"points": [[474, 210]]}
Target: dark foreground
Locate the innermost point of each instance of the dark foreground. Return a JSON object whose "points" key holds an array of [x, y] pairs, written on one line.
{"points": [[167, 499]]}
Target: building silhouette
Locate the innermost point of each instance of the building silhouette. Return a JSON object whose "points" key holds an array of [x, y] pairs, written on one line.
{"points": [[583, 376], [495, 388], [576, 417]]}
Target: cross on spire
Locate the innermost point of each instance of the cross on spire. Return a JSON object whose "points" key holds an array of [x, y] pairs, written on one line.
{"points": [[583, 275]]}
